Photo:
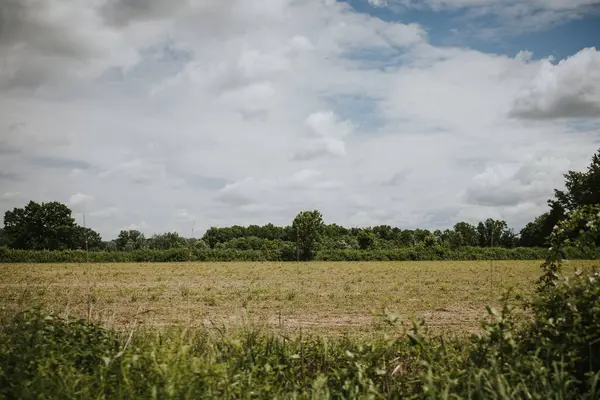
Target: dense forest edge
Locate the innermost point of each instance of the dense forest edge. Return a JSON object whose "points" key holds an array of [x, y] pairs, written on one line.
{"points": [[47, 232]]}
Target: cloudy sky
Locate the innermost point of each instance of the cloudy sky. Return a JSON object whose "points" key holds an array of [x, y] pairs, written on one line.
{"points": [[196, 113]]}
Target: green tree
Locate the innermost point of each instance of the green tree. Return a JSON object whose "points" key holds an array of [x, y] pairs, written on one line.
{"points": [[509, 238], [308, 226], [531, 234], [169, 240], [197, 244], [420, 235], [385, 232], [246, 243], [465, 234], [45, 226], [406, 238], [4, 239], [430, 240], [334, 231], [444, 237], [345, 242], [214, 236], [535, 234], [83, 234], [129, 240], [366, 239], [455, 240], [271, 232], [582, 188], [490, 232]]}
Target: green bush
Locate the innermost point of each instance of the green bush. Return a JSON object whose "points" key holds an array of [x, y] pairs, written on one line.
{"points": [[567, 325], [436, 252], [45, 356], [286, 251]]}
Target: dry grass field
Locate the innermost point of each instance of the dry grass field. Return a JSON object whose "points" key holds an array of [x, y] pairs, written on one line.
{"points": [[315, 297]]}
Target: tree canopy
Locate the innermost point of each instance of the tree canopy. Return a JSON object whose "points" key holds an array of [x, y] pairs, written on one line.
{"points": [[581, 189], [308, 226], [45, 226]]}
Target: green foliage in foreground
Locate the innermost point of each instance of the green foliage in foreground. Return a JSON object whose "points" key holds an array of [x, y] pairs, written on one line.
{"points": [[553, 355], [288, 253]]}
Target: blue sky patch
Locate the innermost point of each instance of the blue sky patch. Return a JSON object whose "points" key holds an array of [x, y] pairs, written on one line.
{"points": [[490, 33], [361, 110]]}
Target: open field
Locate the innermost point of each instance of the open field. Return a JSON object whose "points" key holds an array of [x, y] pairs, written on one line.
{"points": [[316, 297]]}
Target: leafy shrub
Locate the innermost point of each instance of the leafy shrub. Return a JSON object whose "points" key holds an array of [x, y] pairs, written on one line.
{"points": [[342, 242], [567, 325], [436, 252], [283, 253], [34, 347], [286, 251]]}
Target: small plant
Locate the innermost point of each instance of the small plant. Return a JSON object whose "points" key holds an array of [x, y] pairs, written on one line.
{"points": [[291, 294], [185, 291], [210, 300]]}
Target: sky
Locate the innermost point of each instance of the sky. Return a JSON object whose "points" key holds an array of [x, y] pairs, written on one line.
{"points": [[182, 115]]}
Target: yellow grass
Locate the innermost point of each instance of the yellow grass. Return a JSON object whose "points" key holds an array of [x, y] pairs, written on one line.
{"points": [[317, 297]]}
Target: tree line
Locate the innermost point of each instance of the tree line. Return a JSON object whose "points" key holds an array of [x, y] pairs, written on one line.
{"points": [[51, 226]]}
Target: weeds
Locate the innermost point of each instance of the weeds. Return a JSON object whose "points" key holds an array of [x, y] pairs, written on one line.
{"points": [[210, 300]]}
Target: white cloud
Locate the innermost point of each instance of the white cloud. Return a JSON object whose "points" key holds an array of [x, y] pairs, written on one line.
{"points": [[250, 99], [327, 133], [306, 176], [47, 42], [12, 196], [142, 227], [301, 44], [524, 55], [248, 112], [137, 171], [378, 3], [327, 124], [569, 89], [105, 212], [80, 201], [280, 195], [506, 185], [184, 215]]}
